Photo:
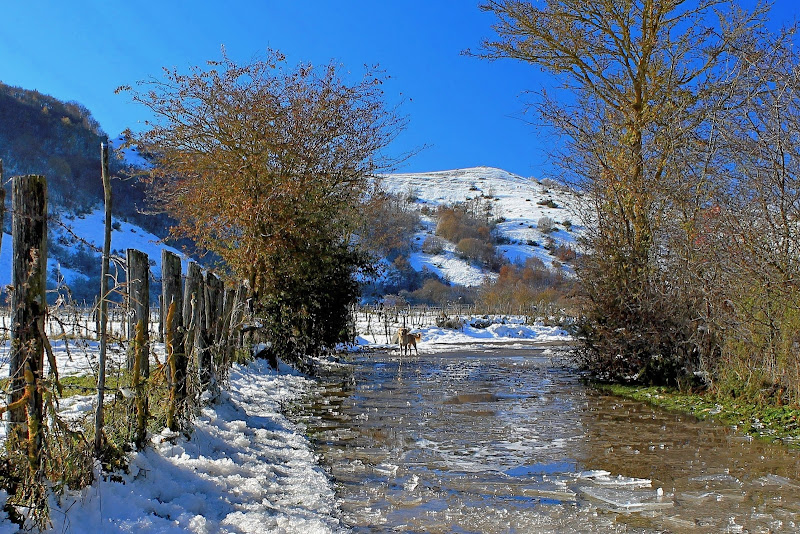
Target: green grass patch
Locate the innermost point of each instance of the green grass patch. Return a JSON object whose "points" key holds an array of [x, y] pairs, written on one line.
{"points": [[763, 421], [87, 384]]}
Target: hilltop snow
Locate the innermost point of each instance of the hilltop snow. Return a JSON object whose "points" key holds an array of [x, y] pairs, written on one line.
{"points": [[518, 204]]}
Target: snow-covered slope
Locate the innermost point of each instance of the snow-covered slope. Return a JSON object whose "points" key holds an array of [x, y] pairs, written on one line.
{"points": [[519, 203], [516, 201], [73, 230]]}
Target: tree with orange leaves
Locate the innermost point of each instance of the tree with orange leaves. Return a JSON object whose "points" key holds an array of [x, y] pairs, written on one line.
{"points": [[264, 166]]}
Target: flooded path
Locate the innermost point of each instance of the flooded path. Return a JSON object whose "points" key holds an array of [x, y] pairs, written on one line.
{"points": [[511, 441]]}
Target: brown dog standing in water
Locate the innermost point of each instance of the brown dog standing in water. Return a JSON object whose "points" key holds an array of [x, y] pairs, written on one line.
{"points": [[405, 338]]}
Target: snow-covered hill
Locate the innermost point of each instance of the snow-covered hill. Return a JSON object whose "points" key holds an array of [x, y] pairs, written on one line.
{"points": [[520, 203], [76, 235]]}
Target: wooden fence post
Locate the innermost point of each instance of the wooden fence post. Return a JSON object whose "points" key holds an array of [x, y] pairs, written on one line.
{"points": [[139, 303], [193, 315], [162, 309], [172, 299], [28, 308], [214, 306], [235, 335], [102, 311], [207, 333]]}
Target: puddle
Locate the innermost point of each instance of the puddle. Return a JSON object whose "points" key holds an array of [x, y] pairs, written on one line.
{"points": [[511, 441]]}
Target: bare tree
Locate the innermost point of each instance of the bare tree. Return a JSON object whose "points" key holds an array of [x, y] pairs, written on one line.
{"points": [[634, 117], [756, 223]]}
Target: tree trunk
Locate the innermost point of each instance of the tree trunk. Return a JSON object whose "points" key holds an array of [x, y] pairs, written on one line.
{"points": [[28, 308]]}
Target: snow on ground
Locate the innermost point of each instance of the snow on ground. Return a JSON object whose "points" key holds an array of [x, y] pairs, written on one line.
{"points": [[507, 331], [246, 469], [447, 266]]}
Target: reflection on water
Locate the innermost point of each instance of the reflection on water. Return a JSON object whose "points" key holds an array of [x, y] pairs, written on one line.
{"points": [[511, 441]]}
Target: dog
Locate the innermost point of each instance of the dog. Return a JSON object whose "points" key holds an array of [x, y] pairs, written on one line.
{"points": [[404, 338]]}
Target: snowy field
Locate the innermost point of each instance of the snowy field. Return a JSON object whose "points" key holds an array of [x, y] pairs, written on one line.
{"points": [[246, 468]]}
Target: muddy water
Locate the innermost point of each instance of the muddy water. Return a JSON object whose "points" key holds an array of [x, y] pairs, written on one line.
{"points": [[511, 441]]}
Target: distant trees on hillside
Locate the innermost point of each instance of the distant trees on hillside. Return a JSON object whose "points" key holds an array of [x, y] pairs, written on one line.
{"points": [[264, 165], [526, 286], [388, 223], [40, 134], [470, 229]]}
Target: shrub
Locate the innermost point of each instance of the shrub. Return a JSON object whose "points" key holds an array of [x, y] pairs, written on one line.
{"points": [[433, 245], [524, 287], [470, 219], [412, 194], [387, 227], [565, 253], [454, 225], [548, 203], [546, 225], [476, 250]]}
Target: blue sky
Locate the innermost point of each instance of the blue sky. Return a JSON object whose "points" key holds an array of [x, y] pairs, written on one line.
{"points": [[469, 111]]}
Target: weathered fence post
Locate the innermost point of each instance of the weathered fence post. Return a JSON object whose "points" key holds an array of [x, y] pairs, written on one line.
{"points": [[162, 311], [214, 306], [139, 303], [228, 302], [102, 315], [193, 299], [207, 333], [28, 309], [172, 299], [236, 321]]}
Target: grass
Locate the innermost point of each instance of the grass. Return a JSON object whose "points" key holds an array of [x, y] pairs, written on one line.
{"points": [[764, 421], [79, 385]]}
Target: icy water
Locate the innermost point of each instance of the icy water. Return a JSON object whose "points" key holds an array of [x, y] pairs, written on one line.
{"points": [[511, 441]]}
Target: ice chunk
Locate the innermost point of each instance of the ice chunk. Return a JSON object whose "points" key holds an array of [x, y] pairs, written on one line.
{"points": [[604, 478], [626, 500], [386, 469], [718, 479], [777, 480]]}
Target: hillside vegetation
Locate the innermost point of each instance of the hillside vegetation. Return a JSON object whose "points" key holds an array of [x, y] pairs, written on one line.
{"points": [[40, 134], [481, 236]]}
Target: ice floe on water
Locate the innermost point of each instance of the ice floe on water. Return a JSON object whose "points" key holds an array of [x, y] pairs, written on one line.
{"points": [[626, 500]]}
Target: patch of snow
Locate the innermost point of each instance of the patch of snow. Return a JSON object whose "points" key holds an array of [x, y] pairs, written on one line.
{"points": [[456, 270], [246, 469]]}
